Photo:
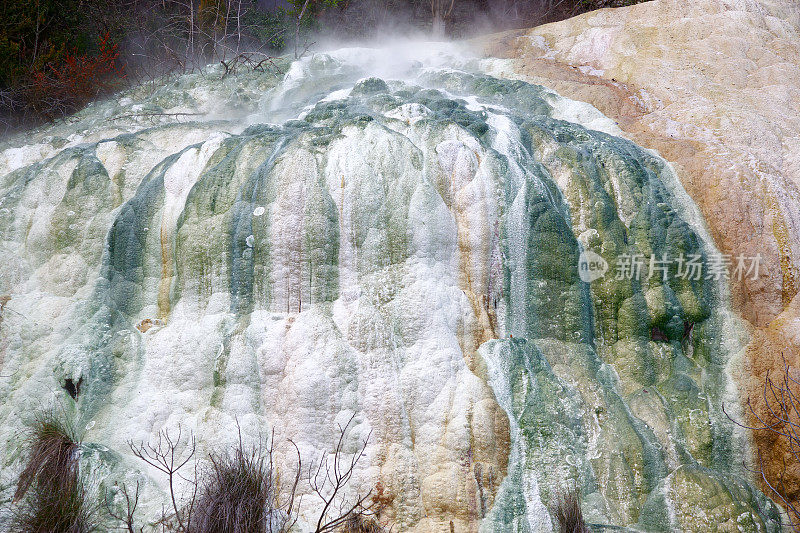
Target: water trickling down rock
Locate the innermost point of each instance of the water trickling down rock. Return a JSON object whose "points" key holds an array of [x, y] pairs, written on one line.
{"points": [[390, 235]]}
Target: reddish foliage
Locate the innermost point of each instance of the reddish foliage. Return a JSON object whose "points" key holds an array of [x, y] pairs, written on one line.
{"points": [[63, 88]]}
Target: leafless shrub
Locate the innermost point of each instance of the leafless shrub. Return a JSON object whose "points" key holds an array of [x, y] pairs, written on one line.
{"points": [[776, 416], [127, 516], [169, 454], [183, 36], [567, 511], [242, 491], [254, 61], [329, 479]]}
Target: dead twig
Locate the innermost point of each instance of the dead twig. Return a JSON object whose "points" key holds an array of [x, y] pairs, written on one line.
{"points": [[777, 416]]}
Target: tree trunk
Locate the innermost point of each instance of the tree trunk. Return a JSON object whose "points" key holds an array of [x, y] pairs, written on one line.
{"points": [[438, 25], [441, 10]]}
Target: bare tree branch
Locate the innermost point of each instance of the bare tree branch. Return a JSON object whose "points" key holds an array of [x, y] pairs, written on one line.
{"points": [[163, 455], [779, 416]]}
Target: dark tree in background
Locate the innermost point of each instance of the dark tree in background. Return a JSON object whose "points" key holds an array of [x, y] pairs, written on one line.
{"points": [[441, 11], [452, 18], [58, 55], [43, 44], [55, 56]]}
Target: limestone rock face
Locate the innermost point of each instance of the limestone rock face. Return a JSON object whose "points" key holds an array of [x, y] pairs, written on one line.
{"points": [[391, 236], [714, 86]]}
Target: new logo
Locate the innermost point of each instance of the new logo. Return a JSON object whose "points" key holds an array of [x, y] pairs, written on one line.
{"points": [[591, 266]]}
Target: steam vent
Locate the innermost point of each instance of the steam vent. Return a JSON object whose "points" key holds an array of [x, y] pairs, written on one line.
{"points": [[464, 270]]}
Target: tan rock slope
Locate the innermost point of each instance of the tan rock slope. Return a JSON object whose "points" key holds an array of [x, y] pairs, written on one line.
{"points": [[714, 86]]}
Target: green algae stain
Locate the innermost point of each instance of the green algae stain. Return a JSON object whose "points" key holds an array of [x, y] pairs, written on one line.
{"points": [[613, 387]]}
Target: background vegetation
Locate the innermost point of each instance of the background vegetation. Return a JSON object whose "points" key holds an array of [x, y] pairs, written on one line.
{"points": [[238, 490], [58, 55]]}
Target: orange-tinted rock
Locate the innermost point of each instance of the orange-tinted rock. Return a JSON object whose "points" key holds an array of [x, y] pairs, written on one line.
{"points": [[148, 323], [714, 86]]}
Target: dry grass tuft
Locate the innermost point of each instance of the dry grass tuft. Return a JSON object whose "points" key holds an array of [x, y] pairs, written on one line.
{"points": [[236, 494], [568, 514], [359, 523], [53, 456], [50, 495]]}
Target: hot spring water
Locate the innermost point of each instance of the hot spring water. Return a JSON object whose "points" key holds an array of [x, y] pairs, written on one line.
{"points": [[388, 233]]}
